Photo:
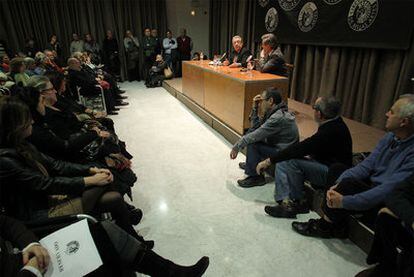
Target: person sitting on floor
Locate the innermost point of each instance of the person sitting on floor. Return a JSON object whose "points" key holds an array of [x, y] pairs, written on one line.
{"points": [[117, 249], [394, 229], [366, 186], [272, 129], [156, 73], [309, 159]]}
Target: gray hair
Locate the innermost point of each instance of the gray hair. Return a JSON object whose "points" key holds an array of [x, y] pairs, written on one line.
{"points": [[237, 36], [407, 109], [40, 57], [270, 39], [329, 106], [29, 61], [39, 82]]}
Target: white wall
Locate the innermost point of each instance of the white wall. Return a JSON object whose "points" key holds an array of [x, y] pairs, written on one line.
{"points": [[179, 16]]}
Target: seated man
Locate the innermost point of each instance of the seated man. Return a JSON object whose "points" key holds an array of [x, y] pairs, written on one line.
{"points": [[239, 55], [274, 131], [366, 185], [309, 159], [390, 233], [271, 57]]}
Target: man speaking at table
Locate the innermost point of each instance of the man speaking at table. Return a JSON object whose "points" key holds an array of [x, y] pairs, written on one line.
{"points": [[239, 55]]}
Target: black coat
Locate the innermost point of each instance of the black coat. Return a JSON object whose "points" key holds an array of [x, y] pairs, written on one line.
{"points": [[242, 56], [401, 201], [25, 189], [84, 80], [332, 143], [274, 63], [64, 124], [17, 234]]}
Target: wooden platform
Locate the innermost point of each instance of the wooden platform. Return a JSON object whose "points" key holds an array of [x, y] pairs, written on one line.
{"points": [[364, 140]]}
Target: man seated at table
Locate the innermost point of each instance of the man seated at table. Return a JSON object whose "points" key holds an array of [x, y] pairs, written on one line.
{"points": [[268, 134], [239, 55], [366, 186], [271, 57], [310, 159]]}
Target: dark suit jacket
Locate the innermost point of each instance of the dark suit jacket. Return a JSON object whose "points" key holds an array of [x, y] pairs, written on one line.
{"points": [[16, 233], [84, 80], [241, 56], [274, 63]]}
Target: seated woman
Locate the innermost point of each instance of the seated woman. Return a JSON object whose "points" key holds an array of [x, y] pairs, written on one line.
{"points": [[118, 251], [156, 73], [394, 229], [17, 72], [34, 185]]}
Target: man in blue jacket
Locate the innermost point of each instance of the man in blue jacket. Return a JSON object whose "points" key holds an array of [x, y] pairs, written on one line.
{"points": [[367, 185]]}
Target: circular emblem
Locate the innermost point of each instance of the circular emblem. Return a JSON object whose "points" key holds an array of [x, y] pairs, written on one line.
{"points": [[308, 16], [362, 14], [288, 5], [72, 247], [263, 3], [332, 2], [271, 20]]}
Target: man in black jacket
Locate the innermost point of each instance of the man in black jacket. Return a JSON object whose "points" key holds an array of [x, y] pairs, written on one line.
{"points": [[394, 229], [31, 261], [309, 159], [271, 57], [239, 55]]}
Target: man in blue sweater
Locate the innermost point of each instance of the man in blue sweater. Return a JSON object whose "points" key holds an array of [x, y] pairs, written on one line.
{"points": [[366, 185]]}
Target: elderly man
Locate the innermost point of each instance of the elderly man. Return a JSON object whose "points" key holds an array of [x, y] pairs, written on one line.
{"points": [[309, 159], [77, 45], [366, 186], [239, 56], [271, 57], [185, 46], [274, 130]]}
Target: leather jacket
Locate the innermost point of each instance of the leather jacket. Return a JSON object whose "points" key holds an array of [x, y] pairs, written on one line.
{"points": [[24, 189]]}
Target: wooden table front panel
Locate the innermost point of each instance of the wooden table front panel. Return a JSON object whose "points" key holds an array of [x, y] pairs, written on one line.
{"points": [[193, 82]]}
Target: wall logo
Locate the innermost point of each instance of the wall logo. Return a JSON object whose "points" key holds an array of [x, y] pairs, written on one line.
{"points": [[362, 14], [308, 16], [72, 247], [332, 2], [271, 20], [263, 3], [288, 5]]}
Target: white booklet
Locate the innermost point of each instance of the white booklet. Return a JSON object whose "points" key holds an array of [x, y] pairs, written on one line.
{"points": [[72, 251]]}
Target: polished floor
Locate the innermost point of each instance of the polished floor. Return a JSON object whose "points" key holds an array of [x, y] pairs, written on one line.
{"points": [[193, 206]]}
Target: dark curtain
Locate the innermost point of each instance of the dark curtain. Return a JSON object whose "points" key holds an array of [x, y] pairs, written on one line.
{"points": [[367, 81], [21, 19]]}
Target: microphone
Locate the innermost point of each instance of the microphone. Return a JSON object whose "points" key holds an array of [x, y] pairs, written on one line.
{"points": [[249, 58], [223, 57]]}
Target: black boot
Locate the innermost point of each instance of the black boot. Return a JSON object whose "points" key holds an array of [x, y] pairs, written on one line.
{"points": [[154, 265]]}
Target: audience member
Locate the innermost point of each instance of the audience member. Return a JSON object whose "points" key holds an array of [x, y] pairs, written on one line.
{"points": [[5, 63], [131, 45], [41, 61], [365, 186], [17, 71], [392, 248], [239, 56], [149, 45], [93, 47], [309, 159], [50, 62], [170, 51], [273, 128], [185, 46], [30, 48], [158, 43], [111, 54], [156, 74], [54, 45], [30, 66], [271, 57], [117, 249], [77, 45]]}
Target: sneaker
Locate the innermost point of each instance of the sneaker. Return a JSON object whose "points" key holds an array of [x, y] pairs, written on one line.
{"points": [[286, 209], [252, 181], [242, 165]]}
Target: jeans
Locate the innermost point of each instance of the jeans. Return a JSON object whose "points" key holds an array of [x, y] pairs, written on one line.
{"points": [[256, 153], [291, 174]]}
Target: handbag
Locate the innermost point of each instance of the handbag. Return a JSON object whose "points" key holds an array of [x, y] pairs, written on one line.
{"points": [[168, 73]]}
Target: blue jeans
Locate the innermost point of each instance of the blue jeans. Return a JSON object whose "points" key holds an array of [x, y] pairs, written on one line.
{"points": [[257, 152], [291, 174]]}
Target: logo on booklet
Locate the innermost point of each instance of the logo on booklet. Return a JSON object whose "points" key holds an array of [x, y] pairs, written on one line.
{"points": [[263, 3], [308, 16], [288, 5], [72, 247], [271, 20], [362, 14]]}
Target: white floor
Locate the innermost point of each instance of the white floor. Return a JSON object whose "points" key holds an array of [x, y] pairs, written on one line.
{"points": [[193, 207]]}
